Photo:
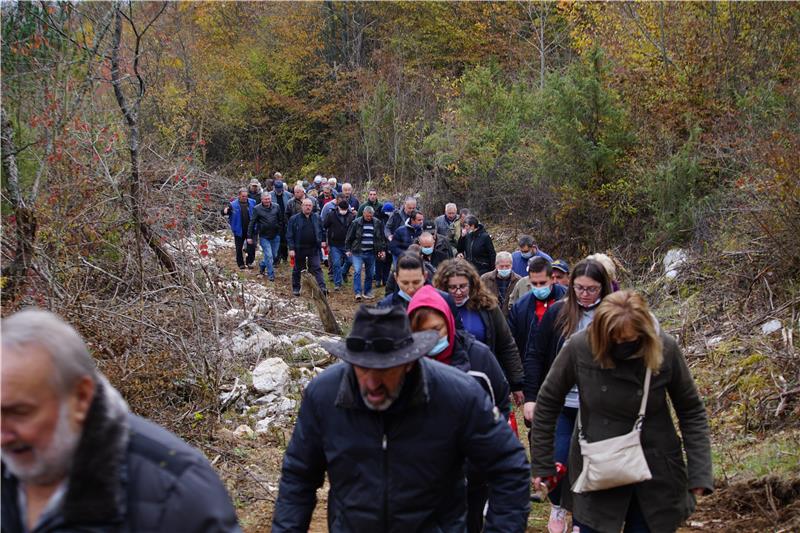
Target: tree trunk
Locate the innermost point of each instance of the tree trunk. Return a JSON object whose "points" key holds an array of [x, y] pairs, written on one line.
{"points": [[15, 273], [329, 323], [131, 118]]}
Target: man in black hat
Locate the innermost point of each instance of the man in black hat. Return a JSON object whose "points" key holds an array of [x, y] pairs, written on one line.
{"points": [[393, 430]]}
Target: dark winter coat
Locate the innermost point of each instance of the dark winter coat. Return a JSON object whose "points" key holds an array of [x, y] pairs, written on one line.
{"points": [[478, 249], [402, 469], [353, 240], [130, 476], [265, 221], [489, 281], [522, 318], [609, 402], [235, 216], [470, 354], [501, 342], [296, 206], [336, 226], [396, 220], [294, 229], [403, 238], [287, 199], [441, 252], [255, 196], [543, 344]]}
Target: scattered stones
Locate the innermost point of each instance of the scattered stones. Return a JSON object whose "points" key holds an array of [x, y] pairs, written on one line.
{"points": [[243, 431], [673, 261], [264, 425], [771, 327], [271, 375]]}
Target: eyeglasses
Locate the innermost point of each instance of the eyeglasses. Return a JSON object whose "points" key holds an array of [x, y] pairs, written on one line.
{"points": [[588, 290], [377, 344], [464, 287]]}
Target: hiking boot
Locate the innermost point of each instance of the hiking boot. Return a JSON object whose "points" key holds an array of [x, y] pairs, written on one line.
{"points": [[558, 520], [358, 297], [369, 296]]}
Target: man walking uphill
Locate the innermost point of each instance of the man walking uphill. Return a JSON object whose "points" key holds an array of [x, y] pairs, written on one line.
{"points": [[304, 236], [265, 226], [393, 429], [239, 212]]}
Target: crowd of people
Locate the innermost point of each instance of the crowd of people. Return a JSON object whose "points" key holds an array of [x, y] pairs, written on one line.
{"points": [[414, 426]]}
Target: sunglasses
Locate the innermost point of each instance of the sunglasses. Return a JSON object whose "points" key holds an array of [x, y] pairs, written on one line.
{"points": [[376, 344]]}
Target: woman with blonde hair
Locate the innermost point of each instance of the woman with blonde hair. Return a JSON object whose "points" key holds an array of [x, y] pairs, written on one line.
{"points": [[622, 363], [480, 315]]}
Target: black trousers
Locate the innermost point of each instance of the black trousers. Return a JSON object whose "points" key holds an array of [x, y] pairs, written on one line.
{"points": [[310, 257], [477, 495], [251, 251]]}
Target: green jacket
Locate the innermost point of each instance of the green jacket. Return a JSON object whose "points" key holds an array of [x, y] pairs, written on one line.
{"points": [[609, 404], [377, 206]]}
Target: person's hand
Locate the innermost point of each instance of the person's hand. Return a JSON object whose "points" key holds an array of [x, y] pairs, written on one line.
{"points": [[291, 253], [349, 254], [460, 256], [698, 491], [249, 241], [527, 410], [540, 486], [381, 255], [517, 397]]}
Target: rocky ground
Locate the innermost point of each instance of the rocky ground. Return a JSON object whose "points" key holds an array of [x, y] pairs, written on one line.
{"points": [[275, 336]]}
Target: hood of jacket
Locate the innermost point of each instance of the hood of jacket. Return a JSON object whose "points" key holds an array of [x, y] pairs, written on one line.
{"points": [[429, 297]]}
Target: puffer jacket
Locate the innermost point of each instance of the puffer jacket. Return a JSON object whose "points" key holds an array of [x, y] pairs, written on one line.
{"points": [[402, 469], [403, 238], [130, 476]]}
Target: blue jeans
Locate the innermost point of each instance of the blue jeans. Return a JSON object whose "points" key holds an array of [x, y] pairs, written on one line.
{"points": [[269, 247], [634, 520], [564, 426], [341, 263], [367, 261]]}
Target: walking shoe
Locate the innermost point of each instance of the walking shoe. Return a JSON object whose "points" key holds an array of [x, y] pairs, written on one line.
{"points": [[358, 297], [272, 278], [336, 288], [558, 520], [325, 292], [250, 267], [241, 267], [369, 296], [296, 292], [260, 275]]}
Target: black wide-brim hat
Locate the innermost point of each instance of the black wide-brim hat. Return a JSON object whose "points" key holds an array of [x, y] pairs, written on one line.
{"points": [[372, 323]]}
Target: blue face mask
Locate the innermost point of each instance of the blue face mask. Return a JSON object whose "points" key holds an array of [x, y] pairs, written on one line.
{"points": [[503, 272], [427, 251], [526, 255], [439, 347], [541, 293], [404, 295]]}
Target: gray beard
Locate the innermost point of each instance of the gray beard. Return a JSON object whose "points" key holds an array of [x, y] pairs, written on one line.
{"points": [[53, 462], [390, 399]]}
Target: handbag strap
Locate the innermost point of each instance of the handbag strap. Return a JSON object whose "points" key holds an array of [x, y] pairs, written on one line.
{"points": [[637, 426]]}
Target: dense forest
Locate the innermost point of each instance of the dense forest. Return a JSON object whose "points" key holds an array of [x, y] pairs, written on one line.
{"points": [[626, 127]]}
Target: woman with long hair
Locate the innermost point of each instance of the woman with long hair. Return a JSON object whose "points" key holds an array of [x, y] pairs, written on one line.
{"points": [[481, 316], [588, 285], [622, 364]]}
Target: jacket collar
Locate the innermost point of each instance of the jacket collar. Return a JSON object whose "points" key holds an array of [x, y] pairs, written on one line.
{"points": [[96, 485], [415, 390]]}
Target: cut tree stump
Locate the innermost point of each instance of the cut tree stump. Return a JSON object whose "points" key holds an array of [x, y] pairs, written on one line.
{"points": [[324, 311]]}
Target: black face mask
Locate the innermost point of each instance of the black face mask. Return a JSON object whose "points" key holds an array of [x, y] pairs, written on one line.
{"points": [[625, 350]]}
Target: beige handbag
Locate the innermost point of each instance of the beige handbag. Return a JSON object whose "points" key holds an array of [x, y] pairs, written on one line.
{"points": [[616, 461]]}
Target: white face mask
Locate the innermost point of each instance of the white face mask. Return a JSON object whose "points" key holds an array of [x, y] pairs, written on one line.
{"points": [[466, 299]]}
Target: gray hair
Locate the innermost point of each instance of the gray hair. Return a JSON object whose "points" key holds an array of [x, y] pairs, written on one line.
{"points": [[526, 240], [243, 190], [368, 209], [67, 350], [451, 204], [501, 256], [410, 199]]}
